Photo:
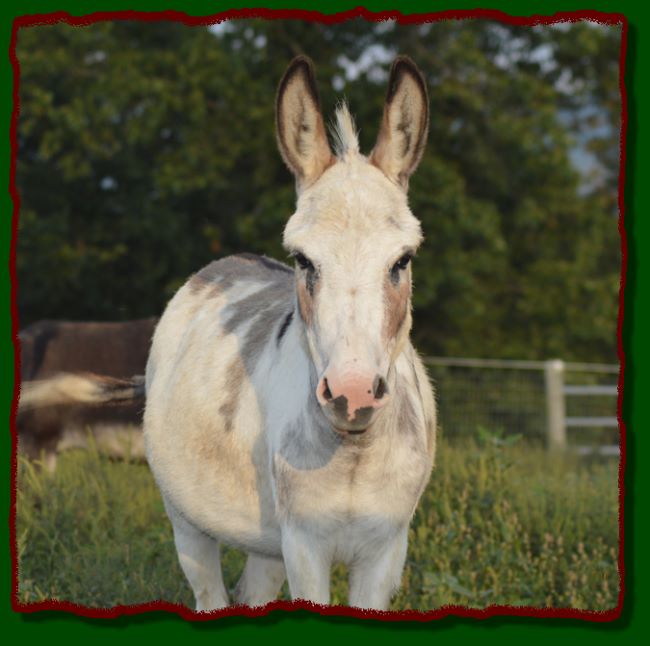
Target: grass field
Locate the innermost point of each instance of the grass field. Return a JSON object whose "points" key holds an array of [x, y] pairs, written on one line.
{"points": [[500, 523]]}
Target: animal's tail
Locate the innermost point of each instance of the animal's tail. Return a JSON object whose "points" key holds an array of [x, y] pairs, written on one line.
{"points": [[79, 388]]}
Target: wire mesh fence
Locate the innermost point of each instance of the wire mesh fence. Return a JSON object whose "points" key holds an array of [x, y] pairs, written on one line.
{"points": [[562, 405]]}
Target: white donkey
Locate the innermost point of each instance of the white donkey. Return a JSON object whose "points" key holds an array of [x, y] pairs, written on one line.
{"points": [[287, 413]]}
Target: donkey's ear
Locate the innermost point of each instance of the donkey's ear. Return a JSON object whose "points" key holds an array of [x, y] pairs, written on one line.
{"points": [[301, 132], [404, 127]]}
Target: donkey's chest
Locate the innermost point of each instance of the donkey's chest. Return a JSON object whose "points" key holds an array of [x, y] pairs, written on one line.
{"points": [[356, 486]]}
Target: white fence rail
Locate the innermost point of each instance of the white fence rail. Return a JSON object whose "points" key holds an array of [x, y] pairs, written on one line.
{"points": [[550, 400]]}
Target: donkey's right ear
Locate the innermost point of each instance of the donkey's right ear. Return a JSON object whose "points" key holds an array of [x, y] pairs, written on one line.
{"points": [[299, 123], [405, 124]]}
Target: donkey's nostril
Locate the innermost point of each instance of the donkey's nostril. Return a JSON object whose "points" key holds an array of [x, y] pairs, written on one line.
{"points": [[380, 388], [327, 393]]}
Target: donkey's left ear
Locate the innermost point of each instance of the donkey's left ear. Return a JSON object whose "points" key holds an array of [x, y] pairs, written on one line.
{"points": [[404, 127]]}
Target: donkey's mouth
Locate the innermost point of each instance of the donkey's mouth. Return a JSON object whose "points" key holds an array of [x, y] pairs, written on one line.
{"points": [[358, 425], [345, 431]]}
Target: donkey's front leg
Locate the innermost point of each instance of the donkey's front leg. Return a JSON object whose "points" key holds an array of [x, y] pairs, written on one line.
{"points": [[308, 563], [200, 560], [374, 577]]}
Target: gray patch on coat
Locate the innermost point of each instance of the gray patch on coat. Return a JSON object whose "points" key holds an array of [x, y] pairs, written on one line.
{"points": [[308, 443], [266, 262], [262, 311], [260, 333], [271, 296], [222, 274], [263, 320]]}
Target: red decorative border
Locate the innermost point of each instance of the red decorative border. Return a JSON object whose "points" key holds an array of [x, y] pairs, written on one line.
{"points": [[315, 16]]}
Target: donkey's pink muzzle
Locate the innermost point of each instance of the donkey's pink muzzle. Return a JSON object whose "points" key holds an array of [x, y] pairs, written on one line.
{"points": [[351, 400]]}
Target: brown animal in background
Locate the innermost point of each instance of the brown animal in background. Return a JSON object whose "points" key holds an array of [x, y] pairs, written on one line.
{"points": [[68, 369]]}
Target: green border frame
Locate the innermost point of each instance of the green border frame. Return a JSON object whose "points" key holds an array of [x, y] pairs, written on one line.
{"points": [[48, 625]]}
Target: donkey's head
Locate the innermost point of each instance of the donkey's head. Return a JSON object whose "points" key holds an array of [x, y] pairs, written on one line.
{"points": [[352, 237]]}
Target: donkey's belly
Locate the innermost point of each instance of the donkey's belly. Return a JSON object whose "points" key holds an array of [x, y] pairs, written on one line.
{"points": [[218, 480]]}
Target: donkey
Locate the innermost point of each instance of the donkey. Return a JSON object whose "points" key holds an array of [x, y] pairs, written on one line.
{"points": [[287, 413]]}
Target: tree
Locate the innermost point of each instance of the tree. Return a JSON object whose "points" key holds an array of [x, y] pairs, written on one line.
{"points": [[147, 149]]}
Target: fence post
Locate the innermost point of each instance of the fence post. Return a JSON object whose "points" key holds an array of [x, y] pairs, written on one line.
{"points": [[555, 408]]}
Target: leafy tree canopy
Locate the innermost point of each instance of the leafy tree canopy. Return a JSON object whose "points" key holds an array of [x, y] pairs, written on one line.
{"points": [[147, 150]]}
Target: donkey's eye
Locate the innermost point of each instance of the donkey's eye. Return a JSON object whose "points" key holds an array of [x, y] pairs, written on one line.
{"points": [[304, 262], [402, 263]]}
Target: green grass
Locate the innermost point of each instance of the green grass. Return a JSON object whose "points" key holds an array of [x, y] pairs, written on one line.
{"points": [[500, 523]]}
